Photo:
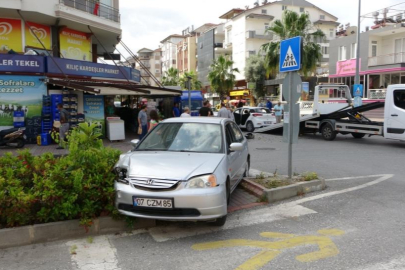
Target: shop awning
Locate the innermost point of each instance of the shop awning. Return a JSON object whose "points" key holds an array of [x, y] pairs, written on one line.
{"points": [[103, 87]]}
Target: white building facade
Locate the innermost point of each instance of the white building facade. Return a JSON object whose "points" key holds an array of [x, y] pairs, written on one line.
{"points": [[169, 51], [245, 30]]}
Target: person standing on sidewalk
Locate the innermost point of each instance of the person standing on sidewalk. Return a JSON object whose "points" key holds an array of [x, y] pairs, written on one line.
{"points": [[205, 110], [186, 112], [269, 105], [64, 127], [279, 112], [154, 120], [143, 121], [224, 112]]}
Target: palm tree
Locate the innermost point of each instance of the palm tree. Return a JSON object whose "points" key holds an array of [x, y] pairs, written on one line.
{"points": [[171, 77], [221, 76], [195, 83], [291, 25]]}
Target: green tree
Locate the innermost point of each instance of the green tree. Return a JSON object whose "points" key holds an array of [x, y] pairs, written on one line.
{"points": [[255, 72], [221, 76], [291, 25], [171, 77], [195, 83]]}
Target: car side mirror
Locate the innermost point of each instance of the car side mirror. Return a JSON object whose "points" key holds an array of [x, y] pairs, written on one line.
{"points": [[236, 147], [134, 143]]}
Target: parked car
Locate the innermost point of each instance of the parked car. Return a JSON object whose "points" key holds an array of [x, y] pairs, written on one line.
{"points": [[251, 118], [184, 169]]}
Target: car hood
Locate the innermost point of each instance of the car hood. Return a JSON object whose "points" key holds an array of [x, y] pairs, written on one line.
{"points": [[170, 165]]}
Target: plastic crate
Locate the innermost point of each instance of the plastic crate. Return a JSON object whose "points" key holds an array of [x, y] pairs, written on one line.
{"points": [[45, 139], [46, 110], [56, 98]]}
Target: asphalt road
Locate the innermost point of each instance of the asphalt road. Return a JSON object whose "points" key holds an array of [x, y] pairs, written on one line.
{"points": [[356, 223]]}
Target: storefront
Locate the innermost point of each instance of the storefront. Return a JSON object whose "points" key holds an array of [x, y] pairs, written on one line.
{"points": [[375, 81], [36, 84]]}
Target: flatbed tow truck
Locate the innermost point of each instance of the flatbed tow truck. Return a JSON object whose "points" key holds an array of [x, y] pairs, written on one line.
{"points": [[330, 119]]}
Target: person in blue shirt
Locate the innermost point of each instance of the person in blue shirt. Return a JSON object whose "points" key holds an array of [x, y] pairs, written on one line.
{"points": [[269, 105], [176, 110], [278, 111]]}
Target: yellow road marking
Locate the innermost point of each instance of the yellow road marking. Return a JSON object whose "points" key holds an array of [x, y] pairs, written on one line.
{"points": [[271, 249]]}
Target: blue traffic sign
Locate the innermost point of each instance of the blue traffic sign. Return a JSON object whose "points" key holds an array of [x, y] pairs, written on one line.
{"points": [[290, 54]]}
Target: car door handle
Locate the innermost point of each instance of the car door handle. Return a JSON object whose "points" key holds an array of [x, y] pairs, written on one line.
{"points": [[394, 115]]}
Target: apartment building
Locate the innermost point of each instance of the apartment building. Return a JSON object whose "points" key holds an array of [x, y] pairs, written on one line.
{"points": [[186, 55], [151, 65], [169, 51], [63, 27], [245, 30], [209, 47], [382, 57]]}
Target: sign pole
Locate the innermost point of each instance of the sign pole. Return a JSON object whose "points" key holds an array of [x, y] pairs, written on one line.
{"points": [[290, 125]]}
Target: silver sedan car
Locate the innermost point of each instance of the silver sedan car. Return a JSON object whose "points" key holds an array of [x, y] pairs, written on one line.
{"points": [[184, 169]]}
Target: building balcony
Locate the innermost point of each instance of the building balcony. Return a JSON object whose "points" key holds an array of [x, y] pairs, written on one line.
{"points": [[388, 59], [89, 6], [227, 44], [259, 34], [218, 45]]}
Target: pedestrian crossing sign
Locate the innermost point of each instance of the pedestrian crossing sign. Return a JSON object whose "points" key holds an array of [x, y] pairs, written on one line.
{"points": [[290, 54]]}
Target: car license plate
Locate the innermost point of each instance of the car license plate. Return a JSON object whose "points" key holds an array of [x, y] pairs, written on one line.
{"points": [[151, 202], [267, 122]]}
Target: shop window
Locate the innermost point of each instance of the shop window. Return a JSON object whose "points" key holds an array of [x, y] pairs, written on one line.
{"points": [[399, 98], [394, 78]]}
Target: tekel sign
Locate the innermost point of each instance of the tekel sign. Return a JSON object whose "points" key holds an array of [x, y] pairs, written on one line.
{"points": [[290, 54], [22, 63]]}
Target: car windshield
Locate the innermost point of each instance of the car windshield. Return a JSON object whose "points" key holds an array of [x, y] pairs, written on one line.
{"points": [[184, 137]]}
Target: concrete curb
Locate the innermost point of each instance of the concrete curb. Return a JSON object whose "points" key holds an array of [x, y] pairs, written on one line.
{"points": [[282, 193], [61, 230]]}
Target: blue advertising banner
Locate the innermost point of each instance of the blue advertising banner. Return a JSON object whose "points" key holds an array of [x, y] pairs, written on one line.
{"points": [[22, 63], [135, 75], [93, 108], [83, 68], [358, 94], [20, 93]]}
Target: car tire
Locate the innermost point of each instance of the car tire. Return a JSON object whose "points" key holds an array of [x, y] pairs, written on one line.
{"points": [[249, 126], [228, 192], [219, 222], [328, 133], [247, 167], [358, 135]]}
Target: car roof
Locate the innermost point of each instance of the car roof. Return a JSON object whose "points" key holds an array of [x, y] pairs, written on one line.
{"points": [[196, 119]]}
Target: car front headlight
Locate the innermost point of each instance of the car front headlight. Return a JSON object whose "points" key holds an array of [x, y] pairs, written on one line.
{"points": [[121, 175], [204, 181]]}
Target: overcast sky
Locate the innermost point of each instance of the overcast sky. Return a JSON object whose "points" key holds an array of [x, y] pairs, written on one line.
{"points": [[146, 22]]}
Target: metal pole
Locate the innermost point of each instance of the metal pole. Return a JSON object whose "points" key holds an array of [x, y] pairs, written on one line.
{"points": [[357, 78], [290, 125]]}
